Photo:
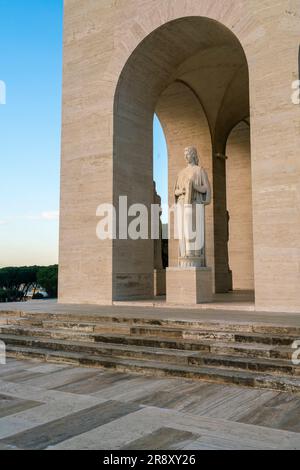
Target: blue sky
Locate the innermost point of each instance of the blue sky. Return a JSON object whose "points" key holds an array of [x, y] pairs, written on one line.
{"points": [[160, 164], [30, 121]]}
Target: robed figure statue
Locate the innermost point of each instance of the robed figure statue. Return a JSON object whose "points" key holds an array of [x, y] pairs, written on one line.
{"points": [[192, 194]]}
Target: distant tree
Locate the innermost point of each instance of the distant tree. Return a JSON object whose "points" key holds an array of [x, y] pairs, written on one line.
{"points": [[18, 281], [29, 278], [47, 277], [10, 295]]}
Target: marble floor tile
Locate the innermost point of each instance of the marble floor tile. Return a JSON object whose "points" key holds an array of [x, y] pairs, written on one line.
{"points": [[240, 434], [22, 376], [52, 411], [49, 406], [114, 435], [62, 377], [163, 439], [47, 368], [134, 390], [61, 429], [96, 382], [12, 405], [28, 392], [280, 412]]}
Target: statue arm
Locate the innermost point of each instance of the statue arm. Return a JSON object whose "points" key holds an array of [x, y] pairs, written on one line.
{"points": [[200, 189], [178, 191], [204, 188], [208, 188]]}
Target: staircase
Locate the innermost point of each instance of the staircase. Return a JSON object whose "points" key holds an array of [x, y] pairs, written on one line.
{"points": [[247, 354]]}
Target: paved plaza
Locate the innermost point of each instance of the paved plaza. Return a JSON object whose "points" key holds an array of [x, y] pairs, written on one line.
{"points": [[57, 406]]}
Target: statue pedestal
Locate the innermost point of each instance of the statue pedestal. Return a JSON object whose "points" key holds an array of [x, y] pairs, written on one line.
{"points": [[192, 262], [159, 282], [189, 285]]}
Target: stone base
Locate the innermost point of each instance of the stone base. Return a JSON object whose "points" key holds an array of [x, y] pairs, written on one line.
{"points": [[189, 286], [192, 262], [159, 282]]}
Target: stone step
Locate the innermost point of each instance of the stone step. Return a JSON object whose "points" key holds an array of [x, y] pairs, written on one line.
{"points": [[189, 358], [6, 320], [85, 326], [193, 344], [105, 349], [169, 332], [45, 328], [91, 320], [253, 350], [11, 313], [46, 333], [264, 338], [166, 332], [88, 327], [211, 374], [158, 332], [195, 334], [214, 346]]}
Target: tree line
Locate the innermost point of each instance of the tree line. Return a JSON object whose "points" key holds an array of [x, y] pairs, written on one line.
{"points": [[17, 282]]}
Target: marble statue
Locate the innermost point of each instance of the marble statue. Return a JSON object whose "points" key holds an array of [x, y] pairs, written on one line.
{"points": [[192, 194]]}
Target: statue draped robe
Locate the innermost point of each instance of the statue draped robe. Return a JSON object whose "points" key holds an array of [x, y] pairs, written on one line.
{"points": [[192, 194]]}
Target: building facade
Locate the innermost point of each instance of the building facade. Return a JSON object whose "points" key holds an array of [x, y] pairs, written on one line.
{"points": [[220, 75]]}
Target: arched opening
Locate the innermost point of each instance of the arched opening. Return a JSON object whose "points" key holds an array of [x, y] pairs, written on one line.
{"points": [[239, 204], [184, 122], [193, 73]]}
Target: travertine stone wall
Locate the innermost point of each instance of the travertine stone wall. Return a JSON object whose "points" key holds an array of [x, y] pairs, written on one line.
{"points": [[100, 37], [239, 204]]}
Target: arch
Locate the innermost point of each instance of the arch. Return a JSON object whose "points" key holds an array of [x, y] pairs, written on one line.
{"points": [[239, 203], [200, 57]]}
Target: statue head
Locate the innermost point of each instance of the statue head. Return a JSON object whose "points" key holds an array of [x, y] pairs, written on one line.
{"points": [[191, 155]]}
